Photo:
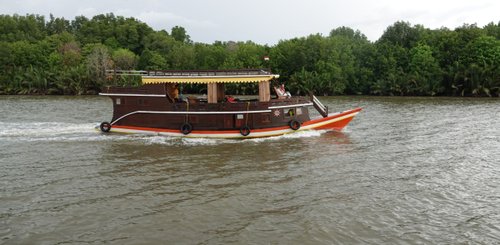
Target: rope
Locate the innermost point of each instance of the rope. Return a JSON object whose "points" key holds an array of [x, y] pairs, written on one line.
{"points": [[246, 117], [186, 120]]}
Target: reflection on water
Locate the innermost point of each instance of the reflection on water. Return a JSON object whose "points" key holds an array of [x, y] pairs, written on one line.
{"points": [[407, 170]]}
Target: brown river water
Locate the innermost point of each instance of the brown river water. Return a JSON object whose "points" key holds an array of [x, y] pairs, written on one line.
{"points": [[405, 171]]}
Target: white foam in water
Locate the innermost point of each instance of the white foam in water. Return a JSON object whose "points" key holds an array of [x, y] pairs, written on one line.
{"points": [[166, 140], [200, 141], [50, 131], [159, 140], [296, 135], [70, 132], [38, 129]]}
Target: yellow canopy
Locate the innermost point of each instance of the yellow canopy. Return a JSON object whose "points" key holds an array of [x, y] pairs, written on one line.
{"points": [[208, 79]]}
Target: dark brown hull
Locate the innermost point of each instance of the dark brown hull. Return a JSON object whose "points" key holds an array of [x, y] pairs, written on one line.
{"points": [[145, 107]]}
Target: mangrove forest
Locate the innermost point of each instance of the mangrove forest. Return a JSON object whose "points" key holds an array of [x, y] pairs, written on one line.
{"points": [[56, 56]]}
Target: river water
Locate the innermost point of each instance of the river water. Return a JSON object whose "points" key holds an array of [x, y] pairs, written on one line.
{"points": [[405, 171]]}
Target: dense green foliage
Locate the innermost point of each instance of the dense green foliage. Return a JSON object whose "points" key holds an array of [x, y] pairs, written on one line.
{"points": [[58, 56]]}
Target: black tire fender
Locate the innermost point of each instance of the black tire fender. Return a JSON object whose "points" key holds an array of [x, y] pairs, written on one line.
{"points": [[186, 128], [245, 130], [105, 127], [294, 124]]}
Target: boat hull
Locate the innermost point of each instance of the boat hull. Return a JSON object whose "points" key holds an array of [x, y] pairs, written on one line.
{"points": [[336, 121]]}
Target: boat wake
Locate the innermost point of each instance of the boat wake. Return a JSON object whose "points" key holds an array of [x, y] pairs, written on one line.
{"points": [[37, 129], [296, 135], [166, 140], [49, 131], [71, 132]]}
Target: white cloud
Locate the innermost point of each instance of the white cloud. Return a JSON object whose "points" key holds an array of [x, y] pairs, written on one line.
{"points": [[268, 21], [88, 12], [163, 20]]}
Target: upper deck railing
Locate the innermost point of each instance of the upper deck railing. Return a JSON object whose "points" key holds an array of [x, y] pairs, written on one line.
{"points": [[188, 73]]}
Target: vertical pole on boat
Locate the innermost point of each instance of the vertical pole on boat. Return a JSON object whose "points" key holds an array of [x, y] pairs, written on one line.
{"points": [[266, 59], [186, 120], [264, 91], [246, 116], [212, 93]]}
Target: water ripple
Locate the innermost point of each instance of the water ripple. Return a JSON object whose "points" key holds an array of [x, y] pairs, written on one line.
{"points": [[406, 171]]}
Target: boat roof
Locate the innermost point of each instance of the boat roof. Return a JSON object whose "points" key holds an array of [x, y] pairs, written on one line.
{"points": [[201, 76], [208, 79]]}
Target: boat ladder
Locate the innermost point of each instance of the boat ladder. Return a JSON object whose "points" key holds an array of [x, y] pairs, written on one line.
{"points": [[322, 109]]}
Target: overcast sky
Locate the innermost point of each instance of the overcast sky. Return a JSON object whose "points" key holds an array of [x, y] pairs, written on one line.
{"points": [[268, 21]]}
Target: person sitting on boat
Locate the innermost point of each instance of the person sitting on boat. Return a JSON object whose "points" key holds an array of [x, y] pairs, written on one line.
{"points": [[173, 92], [287, 93], [176, 91], [281, 92]]}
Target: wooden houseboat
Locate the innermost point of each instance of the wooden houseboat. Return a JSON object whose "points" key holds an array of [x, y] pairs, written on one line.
{"points": [[156, 107]]}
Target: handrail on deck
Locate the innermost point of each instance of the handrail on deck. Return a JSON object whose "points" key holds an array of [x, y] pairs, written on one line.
{"points": [[189, 73], [322, 109]]}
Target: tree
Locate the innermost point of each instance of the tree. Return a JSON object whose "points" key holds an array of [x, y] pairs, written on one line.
{"points": [[425, 73], [152, 60], [389, 70], [57, 25], [493, 30], [124, 59], [209, 57], [402, 34], [348, 33], [128, 33], [243, 55], [160, 42], [180, 34], [97, 62], [30, 28], [481, 74], [182, 57]]}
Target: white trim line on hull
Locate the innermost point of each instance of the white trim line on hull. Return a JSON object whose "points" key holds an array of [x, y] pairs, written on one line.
{"points": [[290, 106], [134, 95], [191, 113]]}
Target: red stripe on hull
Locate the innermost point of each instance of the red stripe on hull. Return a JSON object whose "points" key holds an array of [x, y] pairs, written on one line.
{"points": [[338, 125]]}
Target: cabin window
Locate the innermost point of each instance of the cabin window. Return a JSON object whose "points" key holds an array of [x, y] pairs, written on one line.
{"points": [[290, 113], [299, 111], [118, 101]]}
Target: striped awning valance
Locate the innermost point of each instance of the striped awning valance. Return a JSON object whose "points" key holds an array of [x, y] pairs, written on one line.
{"points": [[208, 79]]}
